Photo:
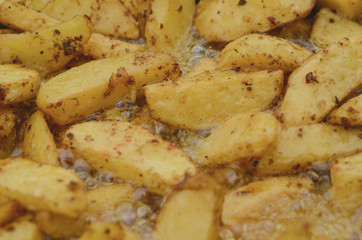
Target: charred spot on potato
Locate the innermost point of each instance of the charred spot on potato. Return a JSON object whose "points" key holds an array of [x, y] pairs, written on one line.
{"points": [[309, 78], [73, 186], [271, 20], [241, 2]]}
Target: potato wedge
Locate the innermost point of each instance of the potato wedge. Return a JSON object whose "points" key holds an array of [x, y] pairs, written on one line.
{"points": [[8, 120], [346, 190], [9, 211], [224, 21], [316, 87], [168, 27], [349, 114], [315, 142], [329, 28], [21, 230], [205, 65], [74, 95], [205, 100], [38, 142], [350, 8], [105, 198], [104, 231], [47, 49], [137, 7], [199, 196], [7, 145], [263, 198], [59, 226], [129, 152], [17, 16], [255, 52], [17, 83], [109, 17], [42, 187], [100, 46], [248, 135]]}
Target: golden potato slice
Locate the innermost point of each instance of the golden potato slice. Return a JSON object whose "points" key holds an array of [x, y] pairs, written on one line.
{"points": [[137, 7], [9, 211], [206, 64], [350, 8], [8, 120], [42, 187], [129, 152], [349, 113], [168, 27], [329, 28], [38, 142], [255, 52], [224, 21], [106, 198], [325, 78], [207, 99], [298, 147], [346, 190], [81, 91], [47, 49], [248, 135], [16, 16], [59, 226], [17, 83], [261, 199], [109, 17], [21, 230], [104, 231], [100, 46], [192, 211]]}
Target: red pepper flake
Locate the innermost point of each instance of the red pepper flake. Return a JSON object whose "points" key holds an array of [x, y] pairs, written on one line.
{"points": [[310, 78], [271, 20], [352, 110], [171, 146]]}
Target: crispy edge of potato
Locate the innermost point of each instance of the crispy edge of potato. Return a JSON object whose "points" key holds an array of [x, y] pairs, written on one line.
{"points": [[205, 65], [9, 211], [350, 8], [8, 121], [104, 231], [349, 114], [21, 229]]}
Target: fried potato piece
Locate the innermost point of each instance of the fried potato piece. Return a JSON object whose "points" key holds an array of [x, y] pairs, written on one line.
{"points": [[346, 190], [129, 152], [325, 78], [42, 187], [168, 27], [38, 142], [109, 17], [299, 29], [255, 52], [100, 46], [8, 120], [350, 8], [9, 211], [104, 231], [206, 64], [248, 135], [224, 21], [199, 196], [204, 100], [298, 147], [7, 145], [137, 7], [106, 198], [17, 83], [129, 234], [349, 114], [59, 226], [81, 91], [329, 28], [261, 198], [21, 230], [16, 16], [48, 49]]}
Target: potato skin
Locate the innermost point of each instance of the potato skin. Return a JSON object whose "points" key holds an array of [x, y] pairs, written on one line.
{"points": [[208, 99], [256, 52], [349, 114], [224, 21], [17, 83], [317, 86]]}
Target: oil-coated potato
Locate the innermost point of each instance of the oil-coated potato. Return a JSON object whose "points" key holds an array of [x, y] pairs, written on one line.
{"points": [[255, 52], [204, 65], [17, 83], [104, 231], [42, 187], [8, 121], [204, 100], [317, 86], [21, 230], [243, 137], [47, 49], [298, 147], [9, 211], [224, 21], [350, 8], [349, 114], [129, 152]]}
